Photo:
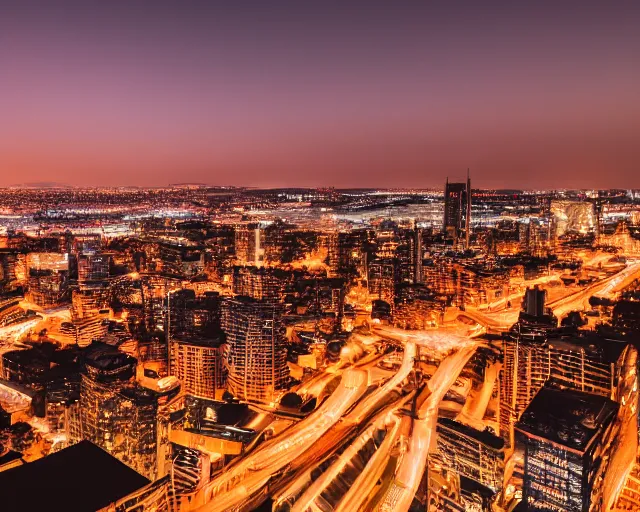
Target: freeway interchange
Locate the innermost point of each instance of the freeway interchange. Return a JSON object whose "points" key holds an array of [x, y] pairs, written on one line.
{"points": [[361, 412], [366, 446]]}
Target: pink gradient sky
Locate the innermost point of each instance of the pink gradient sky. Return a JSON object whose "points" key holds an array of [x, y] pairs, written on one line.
{"points": [[306, 94]]}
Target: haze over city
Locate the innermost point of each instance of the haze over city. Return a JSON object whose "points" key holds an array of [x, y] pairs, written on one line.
{"points": [[272, 94]]}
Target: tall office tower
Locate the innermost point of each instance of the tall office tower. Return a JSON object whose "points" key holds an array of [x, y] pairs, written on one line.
{"points": [[276, 243], [590, 365], [48, 278], [92, 292], [92, 268], [220, 249], [442, 275], [470, 453], [89, 300], [180, 258], [199, 364], [48, 288], [156, 293], [82, 331], [249, 243], [115, 414], [534, 301], [382, 280], [256, 360], [8, 264], [418, 250], [260, 283], [535, 321], [346, 257], [330, 296], [206, 315], [532, 237], [457, 210], [407, 254], [568, 439], [191, 315]]}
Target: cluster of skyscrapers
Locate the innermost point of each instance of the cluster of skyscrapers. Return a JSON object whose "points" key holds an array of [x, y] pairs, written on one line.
{"points": [[197, 341]]}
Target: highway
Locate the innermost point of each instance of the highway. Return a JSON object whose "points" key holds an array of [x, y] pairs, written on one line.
{"points": [[301, 446], [255, 469], [371, 401], [386, 419], [607, 288], [400, 493], [475, 407], [577, 300], [245, 478], [364, 485]]}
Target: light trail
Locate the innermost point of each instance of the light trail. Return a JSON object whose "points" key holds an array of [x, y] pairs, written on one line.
{"points": [[316, 384], [320, 484], [624, 457], [497, 321], [14, 332], [365, 483], [605, 288], [400, 493], [257, 468], [436, 340], [475, 407], [364, 408]]}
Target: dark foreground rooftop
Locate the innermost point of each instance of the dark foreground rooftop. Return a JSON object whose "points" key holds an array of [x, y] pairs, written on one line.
{"points": [[81, 478], [566, 417]]}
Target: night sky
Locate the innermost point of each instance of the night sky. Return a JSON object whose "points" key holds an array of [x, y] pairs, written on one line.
{"points": [[376, 94]]}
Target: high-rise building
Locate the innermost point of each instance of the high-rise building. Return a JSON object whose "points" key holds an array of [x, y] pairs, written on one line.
{"points": [[568, 439], [457, 210], [260, 282], [249, 244], [82, 331], [116, 414], [417, 279], [48, 278], [535, 322], [474, 454], [199, 365], [585, 365], [89, 300], [92, 267], [534, 301], [382, 280], [256, 359], [408, 255]]}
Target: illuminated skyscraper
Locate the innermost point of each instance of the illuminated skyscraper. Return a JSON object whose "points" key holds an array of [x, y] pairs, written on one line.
{"points": [[586, 365], [116, 414], [199, 366], [382, 280], [92, 267], [457, 210], [249, 243], [568, 439], [260, 282], [256, 359], [474, 454]]}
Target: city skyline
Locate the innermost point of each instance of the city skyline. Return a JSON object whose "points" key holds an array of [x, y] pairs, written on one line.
{"points": [[538, 96], [213, 350]]}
